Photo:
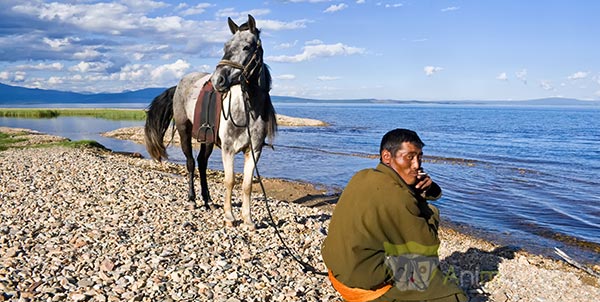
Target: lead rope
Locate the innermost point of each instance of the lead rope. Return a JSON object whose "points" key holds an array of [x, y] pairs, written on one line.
{"points": [[305, 266]]}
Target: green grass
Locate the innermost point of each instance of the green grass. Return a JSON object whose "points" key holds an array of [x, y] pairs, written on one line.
{"points": [[8, 140], [73, 144], [110, 114]]}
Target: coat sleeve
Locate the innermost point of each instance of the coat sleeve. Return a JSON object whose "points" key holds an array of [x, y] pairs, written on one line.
{"points": [[434, 192]]}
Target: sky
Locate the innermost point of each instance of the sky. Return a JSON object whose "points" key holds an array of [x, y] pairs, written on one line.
{"points": [[319, 49]]}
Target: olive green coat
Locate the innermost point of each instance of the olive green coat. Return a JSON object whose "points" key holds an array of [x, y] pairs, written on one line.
{"points": [[379, 216]]}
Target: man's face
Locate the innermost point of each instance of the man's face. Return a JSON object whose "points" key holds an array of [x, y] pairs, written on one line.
{"points": [[406, 162]]}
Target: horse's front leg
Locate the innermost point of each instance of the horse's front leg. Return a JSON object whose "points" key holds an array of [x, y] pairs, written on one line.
{"points": [[247, 187], [229, 182]]}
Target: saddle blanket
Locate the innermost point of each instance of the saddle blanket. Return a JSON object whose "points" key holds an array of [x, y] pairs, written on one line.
{"points": [[207, 114]]}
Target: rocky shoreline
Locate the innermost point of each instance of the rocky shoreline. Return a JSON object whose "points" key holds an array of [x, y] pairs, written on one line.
{"points": [[91, 225]]}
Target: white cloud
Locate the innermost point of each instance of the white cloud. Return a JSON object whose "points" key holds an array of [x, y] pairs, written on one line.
{"points": [[335, 8], [138, 56], [86, 54], [316, 51], [327, 78], [133, 72], [395, 5], [502, 77], [55, 80], [205, 68], [4, 75], [143, 5], [89, 67], [310, 1], [241, 17], [449, 9], [41, 66], [19, 76], [285, 77], [546, 85], [578, 75], [430, 70], [286, 45], [360, 1], [522, 75], [279, 25], [196, 10], [313, 42], [168, 72], [57, 43], [108, 17]]}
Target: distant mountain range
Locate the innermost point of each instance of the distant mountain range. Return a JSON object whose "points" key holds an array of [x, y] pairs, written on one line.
{"points": [[15, 95], [21, 95]]}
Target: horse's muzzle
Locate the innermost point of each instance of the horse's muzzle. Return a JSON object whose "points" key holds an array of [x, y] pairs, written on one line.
{"points": [[220, 82]]}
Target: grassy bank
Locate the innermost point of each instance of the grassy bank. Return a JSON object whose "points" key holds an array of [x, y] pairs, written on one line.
{"points": [[29, 140], [6, 140], [110, 114]]}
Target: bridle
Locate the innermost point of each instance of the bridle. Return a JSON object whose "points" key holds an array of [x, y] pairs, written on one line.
{"points": [[248, 71], [250, 68]]}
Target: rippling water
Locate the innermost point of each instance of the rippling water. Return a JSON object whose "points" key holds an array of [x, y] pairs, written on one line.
{"points": [[524, 176]]}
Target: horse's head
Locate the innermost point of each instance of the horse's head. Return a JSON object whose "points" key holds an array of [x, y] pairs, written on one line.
{"points": [[243, 56]]}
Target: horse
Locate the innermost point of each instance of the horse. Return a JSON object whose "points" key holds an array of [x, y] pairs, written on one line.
{"points": [[247, 118]]}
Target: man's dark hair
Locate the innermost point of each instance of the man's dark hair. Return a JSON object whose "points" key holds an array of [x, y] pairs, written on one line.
{"points": [[393, 140]]}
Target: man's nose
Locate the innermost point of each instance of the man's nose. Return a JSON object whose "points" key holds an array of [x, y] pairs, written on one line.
{"points": [[416, 164]]}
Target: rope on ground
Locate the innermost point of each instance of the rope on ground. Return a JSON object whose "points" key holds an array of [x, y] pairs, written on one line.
{"points": [[305, 266]]}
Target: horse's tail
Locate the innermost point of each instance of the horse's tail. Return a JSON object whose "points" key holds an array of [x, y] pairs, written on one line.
{"points": [[271, 120], [158, 118]]}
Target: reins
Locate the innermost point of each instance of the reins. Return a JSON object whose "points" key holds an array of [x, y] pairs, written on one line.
{"points": [[244, 76]]}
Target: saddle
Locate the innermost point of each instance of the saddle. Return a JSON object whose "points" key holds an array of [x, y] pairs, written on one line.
{"points": [[207, 115]]}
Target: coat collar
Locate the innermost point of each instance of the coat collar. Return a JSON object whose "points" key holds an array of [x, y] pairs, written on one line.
{"points": [[387, 170]]}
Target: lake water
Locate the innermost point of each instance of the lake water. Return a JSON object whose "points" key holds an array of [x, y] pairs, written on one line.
{"points": [[523, 176]]}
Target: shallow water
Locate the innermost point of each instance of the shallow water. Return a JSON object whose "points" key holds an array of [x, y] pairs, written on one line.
{"points": [[524, 176]]}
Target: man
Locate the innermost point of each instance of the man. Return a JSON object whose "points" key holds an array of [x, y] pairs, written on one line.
{"points": [[383, 235]]}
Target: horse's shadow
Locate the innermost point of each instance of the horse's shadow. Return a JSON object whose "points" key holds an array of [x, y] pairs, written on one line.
{"points": [[474, 268]]}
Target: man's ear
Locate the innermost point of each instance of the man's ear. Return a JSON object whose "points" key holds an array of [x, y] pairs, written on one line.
{"points": [[386, 157]]}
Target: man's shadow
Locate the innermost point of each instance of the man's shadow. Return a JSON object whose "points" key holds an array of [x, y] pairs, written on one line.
{"points": [[474, 268]]}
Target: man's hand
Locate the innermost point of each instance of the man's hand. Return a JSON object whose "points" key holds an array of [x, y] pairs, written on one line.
{"points": [[423, 182]]}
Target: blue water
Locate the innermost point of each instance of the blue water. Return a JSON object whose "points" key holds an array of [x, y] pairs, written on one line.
{"points": [[523, 176]]}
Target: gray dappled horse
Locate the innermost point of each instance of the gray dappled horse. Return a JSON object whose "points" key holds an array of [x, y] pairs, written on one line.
{"points": [[247, 118]]}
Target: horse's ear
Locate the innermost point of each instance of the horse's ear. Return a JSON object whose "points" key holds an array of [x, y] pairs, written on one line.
{"points": [[251, 24], [232, 26]]}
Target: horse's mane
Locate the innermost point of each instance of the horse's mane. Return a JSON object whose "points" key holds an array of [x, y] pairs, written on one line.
{"points": [[268, 111]]}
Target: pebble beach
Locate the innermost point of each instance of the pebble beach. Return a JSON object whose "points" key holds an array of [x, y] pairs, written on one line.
{"points": [[88, 224]]}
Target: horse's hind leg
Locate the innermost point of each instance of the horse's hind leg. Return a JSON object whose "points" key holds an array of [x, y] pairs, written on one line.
{"points": [[247, 188], [229, 181], [185, 136], [205, 151]]}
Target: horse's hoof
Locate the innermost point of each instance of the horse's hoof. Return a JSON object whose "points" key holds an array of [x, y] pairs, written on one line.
{"points": [[229, 223], [250, 226]]}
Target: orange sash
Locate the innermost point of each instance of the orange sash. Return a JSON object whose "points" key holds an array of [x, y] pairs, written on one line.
{"points": [[354, 294]]}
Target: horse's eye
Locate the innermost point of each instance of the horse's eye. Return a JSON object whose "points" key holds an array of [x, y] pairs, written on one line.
{"points": [[247, 47]]}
